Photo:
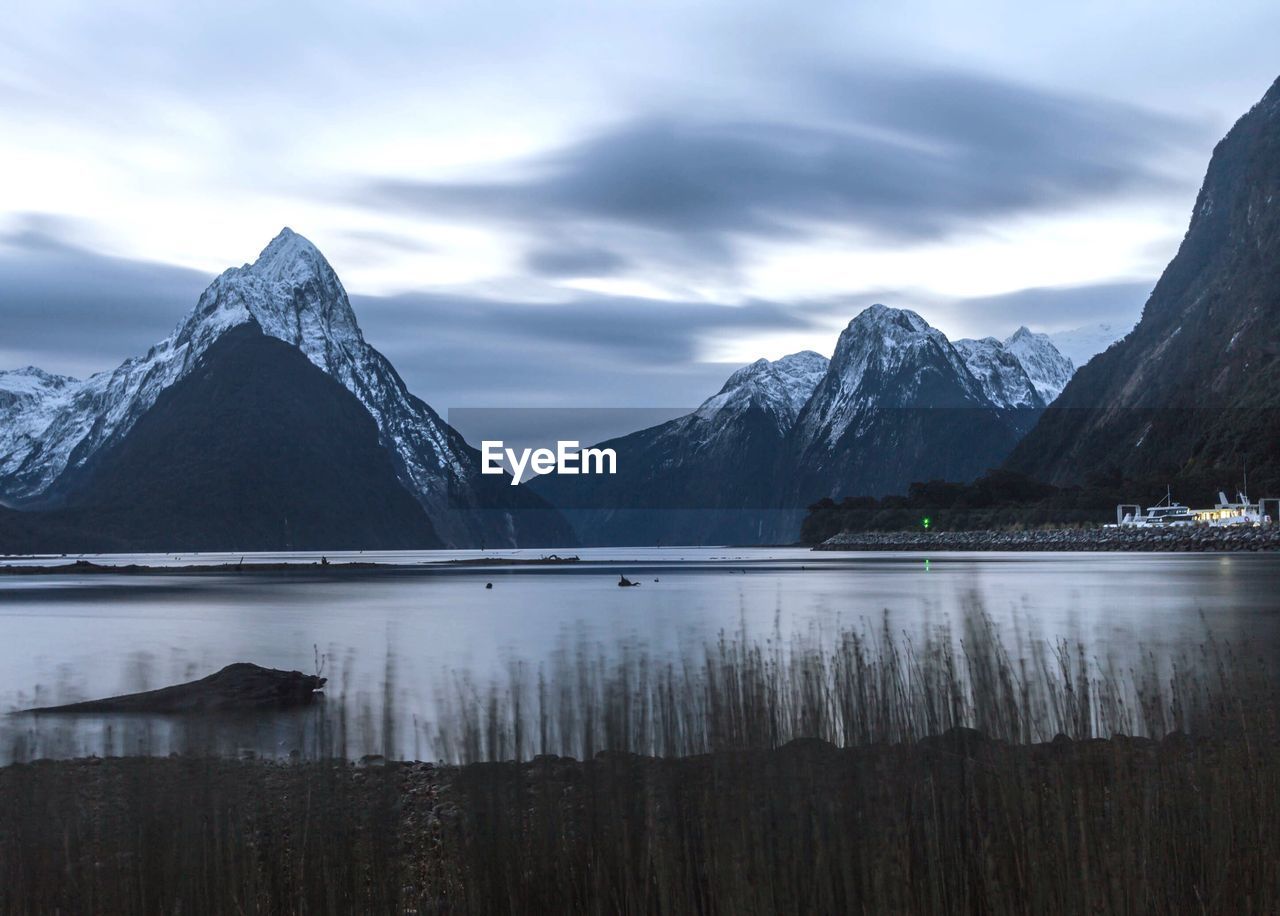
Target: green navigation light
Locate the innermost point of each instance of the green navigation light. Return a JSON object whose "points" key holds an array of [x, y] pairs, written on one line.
{"points": [[926, 522]]}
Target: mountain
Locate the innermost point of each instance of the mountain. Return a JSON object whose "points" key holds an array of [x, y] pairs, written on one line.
{"points": [[292, 294], [254, 449], [708, 477], [1023, 371], [19, 387], [27, 399], [1047, 368], [898, 404], [778, 389], [1192, 392], [999, 372], [1084, 343]]}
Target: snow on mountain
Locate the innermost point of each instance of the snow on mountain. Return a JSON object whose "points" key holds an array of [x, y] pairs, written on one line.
{"points": [[708, 477], [1003, 378], [25, 396], [1048, 369], [31, 383], [1025, 370], [1084, 343], [897, 403], [61, 427], [887, 357], [29, 400], [772, 392], [780, 388], [293, 294], [900, 404]]}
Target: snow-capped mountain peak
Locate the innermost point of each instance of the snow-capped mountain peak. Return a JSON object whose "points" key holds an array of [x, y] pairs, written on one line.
{"points": [[881, 342], [288, 258], [887, 357], [293, 294], [1002, 376], [780, 387], [879, 329], [1047, 368], [31, 381], [904, 319]]}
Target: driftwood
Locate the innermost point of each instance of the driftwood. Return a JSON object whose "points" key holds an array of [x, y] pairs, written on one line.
{"points": [[239, 687]]}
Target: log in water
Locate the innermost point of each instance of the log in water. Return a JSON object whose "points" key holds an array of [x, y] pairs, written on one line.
{"points": [[236, 688]]}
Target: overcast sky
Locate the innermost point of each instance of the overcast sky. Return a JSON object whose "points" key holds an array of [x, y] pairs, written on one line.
{"points": [[607, 204]]}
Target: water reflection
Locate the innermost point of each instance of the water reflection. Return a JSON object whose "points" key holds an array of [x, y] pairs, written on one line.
{"points": [[396, 641]]}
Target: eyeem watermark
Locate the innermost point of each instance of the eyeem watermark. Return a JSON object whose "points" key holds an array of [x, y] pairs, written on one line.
{"points": [[567, 458]]}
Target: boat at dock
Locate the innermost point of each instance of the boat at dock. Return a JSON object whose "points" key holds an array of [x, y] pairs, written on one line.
{"points": [[1168, 513], [1227, 513], [1164, 514]]}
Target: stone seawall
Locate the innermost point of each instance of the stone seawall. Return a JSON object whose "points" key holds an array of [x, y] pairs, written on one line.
{"points": [[1169, 539]]}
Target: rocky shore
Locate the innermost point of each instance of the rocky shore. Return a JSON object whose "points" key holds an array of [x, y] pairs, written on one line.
{"points": [[1188, 539]]}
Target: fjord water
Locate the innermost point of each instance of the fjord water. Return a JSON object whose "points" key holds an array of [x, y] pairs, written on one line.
{"points": [[400, 638]]}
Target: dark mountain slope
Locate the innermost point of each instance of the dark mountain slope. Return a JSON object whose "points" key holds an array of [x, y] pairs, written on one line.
{"points": [[1193, 392], [255, 449], [709, 477]]}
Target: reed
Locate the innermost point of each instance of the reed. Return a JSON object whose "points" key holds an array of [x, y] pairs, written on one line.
{"points": [[864, 772]]}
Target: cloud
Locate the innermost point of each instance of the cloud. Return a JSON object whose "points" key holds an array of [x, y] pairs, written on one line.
{"points": [[589, 368], [617, 362], [1057, 308], [68, 309], [572, 261], [902, 159], [589, 351]]}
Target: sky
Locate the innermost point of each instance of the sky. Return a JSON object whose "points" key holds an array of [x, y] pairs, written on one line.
{"points": [[607, 204]]}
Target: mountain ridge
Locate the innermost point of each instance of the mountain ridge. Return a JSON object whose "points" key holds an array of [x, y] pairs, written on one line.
{"points": [[255, 449], [742, 467], [292, 294], [1194, 388], [775, 436]]}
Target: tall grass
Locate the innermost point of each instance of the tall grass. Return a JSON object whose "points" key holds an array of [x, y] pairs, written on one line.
{"points": [[863, 773], [864, 687], [869, 774]]}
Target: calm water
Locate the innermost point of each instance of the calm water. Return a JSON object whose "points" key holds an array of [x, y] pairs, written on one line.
{"points": [[68, 637]]}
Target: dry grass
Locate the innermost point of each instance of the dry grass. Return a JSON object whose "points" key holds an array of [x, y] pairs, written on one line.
{"points": [[784, 776]]}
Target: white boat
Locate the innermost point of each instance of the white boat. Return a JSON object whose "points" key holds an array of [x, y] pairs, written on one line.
{"points": [[1227, 513], [1164, 514]]}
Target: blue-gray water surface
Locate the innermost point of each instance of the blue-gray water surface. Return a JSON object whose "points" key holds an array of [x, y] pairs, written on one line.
{"points": [[65, 637]]}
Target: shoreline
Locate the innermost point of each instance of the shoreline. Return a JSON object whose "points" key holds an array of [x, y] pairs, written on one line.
{"points": [[1068, 540], [88, 567], [1171, 540]]}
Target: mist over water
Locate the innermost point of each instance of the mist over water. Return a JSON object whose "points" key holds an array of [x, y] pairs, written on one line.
{"points": [[400, 646]]}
